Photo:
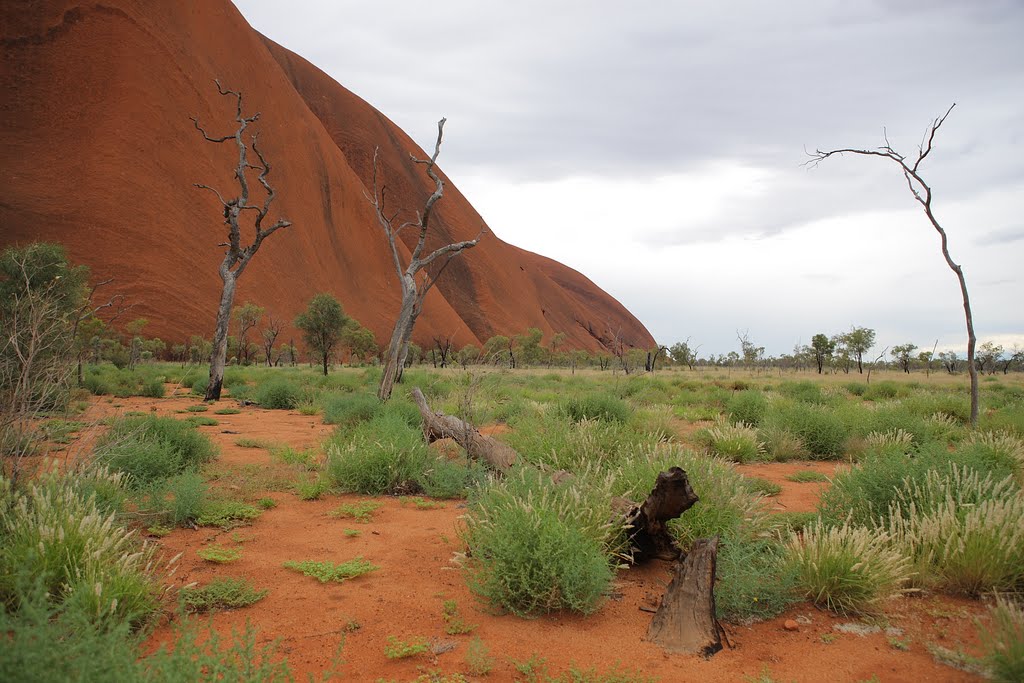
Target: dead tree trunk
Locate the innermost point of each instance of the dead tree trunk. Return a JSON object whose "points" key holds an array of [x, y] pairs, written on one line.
{"points": [[237, 257], [685, 622], [413, 294], [923, 195], [649, 537], [498, 455]]}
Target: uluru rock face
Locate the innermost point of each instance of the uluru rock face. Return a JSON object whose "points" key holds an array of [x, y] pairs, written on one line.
{"points": [[97, 151]]}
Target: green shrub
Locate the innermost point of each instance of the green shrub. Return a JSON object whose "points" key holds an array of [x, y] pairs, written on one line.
{"points": [[966, 549], [43, 642], [747, 407], [781, 445], [153, 388], [177, 501], [205, 656], [1000, 451], [537, 547], [762, 487], [277, 394], [845, 569], [452, 479], [199, 384], [881, 391], [222, 593], [383, 455], [820, 429], [864, 493], [753, 583], [805, 392], [806, 477], [597, 407], [349, 409], [400, 649], [361, 510], [85, 559], [554, 441], [736, 442], [1004, 641], [152, 448]]}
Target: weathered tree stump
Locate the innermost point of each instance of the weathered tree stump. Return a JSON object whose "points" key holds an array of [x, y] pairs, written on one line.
{"points": [[671, 496], [685, 622], [496, 454]]}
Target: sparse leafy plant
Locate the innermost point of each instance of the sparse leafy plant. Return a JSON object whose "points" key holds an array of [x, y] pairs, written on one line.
{"points": [[806, 477], [454, 624], [224, 593], [361, 511], [400, 649], [478, 657], [329, 571], [219, 554]]}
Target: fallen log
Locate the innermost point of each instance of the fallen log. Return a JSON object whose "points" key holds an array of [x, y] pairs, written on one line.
{"points": [[496, 454], [685, 622]]}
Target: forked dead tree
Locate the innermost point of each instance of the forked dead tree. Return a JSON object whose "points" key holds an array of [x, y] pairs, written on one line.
{"points": [[923, 195], [237, 256], [413, 292]]}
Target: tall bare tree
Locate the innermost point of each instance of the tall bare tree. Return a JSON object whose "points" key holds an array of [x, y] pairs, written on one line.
{"points": [[413, 292], [910, 166], [237, 256]]}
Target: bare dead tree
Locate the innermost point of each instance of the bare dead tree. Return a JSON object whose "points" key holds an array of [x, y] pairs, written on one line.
{"points": [[923, 195], [269, 334], [237, 256], [413, 292]]}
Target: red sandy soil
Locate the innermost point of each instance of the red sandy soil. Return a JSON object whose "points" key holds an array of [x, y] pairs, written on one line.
{"points": [[99, 153], [418, 552]]}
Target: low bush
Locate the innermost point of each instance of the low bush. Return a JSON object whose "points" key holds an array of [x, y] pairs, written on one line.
{"points": [[223, 593], [846, 569], [152, 448], [219, 554], [536, 546], [597, 407], [781, 445], [175, 501], [864, 493], [1004, 641], [821, 430], [383, 455], [964, 549], [85, 560], [753, 583], [349, 409], [747, 407], [736, 442], [226, 514], [278, 394]]}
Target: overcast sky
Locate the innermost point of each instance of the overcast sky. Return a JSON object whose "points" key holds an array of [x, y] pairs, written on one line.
{"points": [[658, 148]]}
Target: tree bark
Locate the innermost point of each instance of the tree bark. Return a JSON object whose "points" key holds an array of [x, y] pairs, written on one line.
{"points": [[685, 622], [219, 354], [498, 455], [671, 496]]}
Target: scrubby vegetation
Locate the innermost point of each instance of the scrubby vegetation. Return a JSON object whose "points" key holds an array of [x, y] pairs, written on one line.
{"points": [[922, 502]]}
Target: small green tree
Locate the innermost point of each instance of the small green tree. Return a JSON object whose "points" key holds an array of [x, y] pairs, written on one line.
{"points": [[904, 354], [859, 341], [246, 316], [822, 348], [322, 324], [683, 353], [42, 297], [360, 342]]}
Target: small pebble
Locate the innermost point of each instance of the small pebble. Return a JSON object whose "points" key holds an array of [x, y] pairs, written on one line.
{"points": [[791, 625]]}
